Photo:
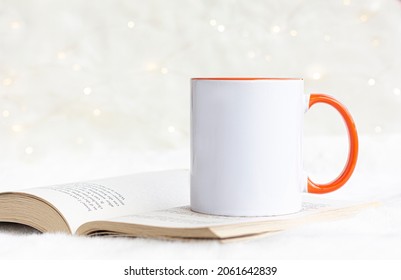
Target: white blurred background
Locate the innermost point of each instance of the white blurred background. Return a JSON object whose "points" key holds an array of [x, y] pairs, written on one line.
{"points": [[91, 89]]}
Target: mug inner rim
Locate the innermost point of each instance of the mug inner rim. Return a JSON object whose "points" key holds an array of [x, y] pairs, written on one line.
{"points": [[243, 79]]}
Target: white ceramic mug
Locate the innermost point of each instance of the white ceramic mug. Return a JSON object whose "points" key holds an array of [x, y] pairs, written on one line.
{"points": [[246, 145]]}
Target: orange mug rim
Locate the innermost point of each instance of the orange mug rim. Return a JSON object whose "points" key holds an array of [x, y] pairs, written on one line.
{"points": [[244, 79]]}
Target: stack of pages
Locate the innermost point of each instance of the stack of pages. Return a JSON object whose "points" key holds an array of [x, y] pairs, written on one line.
{"points": [[153, 204]]}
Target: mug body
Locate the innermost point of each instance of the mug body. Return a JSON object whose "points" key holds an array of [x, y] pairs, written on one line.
{"points": [[246, 146]]}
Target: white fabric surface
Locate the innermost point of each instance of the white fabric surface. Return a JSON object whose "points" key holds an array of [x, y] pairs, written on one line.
{"points": [[373, 234]]}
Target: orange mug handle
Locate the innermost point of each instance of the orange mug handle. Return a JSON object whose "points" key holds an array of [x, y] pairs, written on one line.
{"points": [[353, 145]]}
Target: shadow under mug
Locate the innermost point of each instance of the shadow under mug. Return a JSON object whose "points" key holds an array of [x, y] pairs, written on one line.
{"points": [[246, 146]]}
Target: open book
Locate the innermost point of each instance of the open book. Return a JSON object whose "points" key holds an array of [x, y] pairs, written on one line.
{"points": [[150, 204]]}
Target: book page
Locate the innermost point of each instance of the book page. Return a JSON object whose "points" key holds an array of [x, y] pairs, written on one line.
{"points": [[103, 199], [183, 217]]}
